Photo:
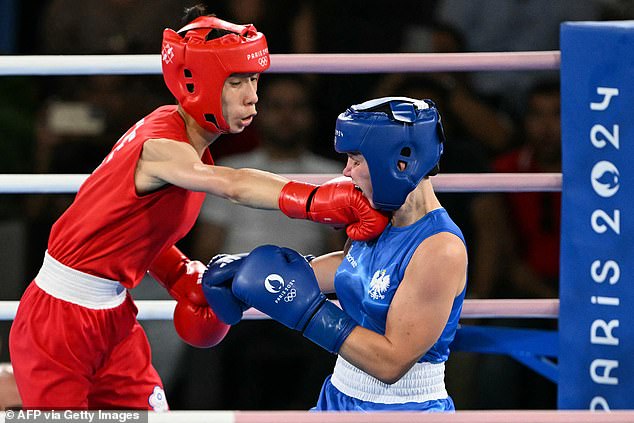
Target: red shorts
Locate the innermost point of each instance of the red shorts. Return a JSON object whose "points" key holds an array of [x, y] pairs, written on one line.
{"points": [[66, 356]]}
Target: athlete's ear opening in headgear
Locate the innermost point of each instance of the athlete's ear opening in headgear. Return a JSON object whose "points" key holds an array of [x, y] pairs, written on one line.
{"points": [[400, 138], [196, 65]]}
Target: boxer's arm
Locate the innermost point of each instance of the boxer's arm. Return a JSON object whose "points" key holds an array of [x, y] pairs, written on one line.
{"points": [[216, 284], [325, 268], [195, 322], [418, 313], [416, 318], [178, 275], [168, 162], [338, 203], [280, 283]]}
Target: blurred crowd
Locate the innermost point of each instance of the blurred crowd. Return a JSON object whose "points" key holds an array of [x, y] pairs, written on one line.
{"points": [[494, 122]]}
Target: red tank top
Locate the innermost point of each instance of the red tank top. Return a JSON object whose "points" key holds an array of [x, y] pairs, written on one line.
{"points": [[111, 232]]}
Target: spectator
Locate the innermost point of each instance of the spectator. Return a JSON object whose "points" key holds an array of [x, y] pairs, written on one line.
{"points": [[527, 237], [470, 211], [9, 395], [353, 27], [288, 26], [534, 217], [475, 117], [107, 27], [501, 25], [284, 125]]}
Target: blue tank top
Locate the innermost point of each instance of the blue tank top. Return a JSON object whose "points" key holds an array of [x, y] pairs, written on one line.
{"points": [[371, 272]]}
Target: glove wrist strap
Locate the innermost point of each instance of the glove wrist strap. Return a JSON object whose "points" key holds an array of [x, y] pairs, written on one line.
{"points": [[329, 327], [295, 199], [168, 268]]}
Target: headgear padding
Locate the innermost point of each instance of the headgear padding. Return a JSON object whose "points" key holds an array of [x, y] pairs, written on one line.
{"points": [[387, 131], [195, 69]]}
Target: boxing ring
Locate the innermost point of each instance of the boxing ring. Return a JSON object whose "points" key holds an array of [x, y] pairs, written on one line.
{"points": [[535, 349]]}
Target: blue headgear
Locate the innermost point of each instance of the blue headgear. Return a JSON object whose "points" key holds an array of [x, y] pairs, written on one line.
{"points": [[387, 131]]}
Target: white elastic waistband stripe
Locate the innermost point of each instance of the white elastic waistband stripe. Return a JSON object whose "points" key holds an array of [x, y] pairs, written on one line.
{"points": [[79, 288], [423, 382]]}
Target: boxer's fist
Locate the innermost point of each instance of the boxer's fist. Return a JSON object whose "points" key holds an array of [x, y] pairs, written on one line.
{"points": [[198, 326], [280, 283], [216, 284], [179, 275], [337, 203], [194, 320]]}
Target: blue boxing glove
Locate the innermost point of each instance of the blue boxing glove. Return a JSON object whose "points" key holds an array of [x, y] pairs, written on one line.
{"points": [[216, 285], [280, 282]]}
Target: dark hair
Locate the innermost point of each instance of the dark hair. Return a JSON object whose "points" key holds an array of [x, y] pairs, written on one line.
{"points": [[197, 11], [193, 12]]}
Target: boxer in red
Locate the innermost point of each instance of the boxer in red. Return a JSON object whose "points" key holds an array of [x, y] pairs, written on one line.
{"points": [[75, 342]]}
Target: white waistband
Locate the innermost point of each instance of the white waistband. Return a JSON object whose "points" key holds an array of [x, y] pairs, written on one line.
{"points": [[423, 382], [79, 288]]}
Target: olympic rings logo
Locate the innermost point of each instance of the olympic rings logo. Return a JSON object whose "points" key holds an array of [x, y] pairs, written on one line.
{"points": [[263, 61], [291, 295]]}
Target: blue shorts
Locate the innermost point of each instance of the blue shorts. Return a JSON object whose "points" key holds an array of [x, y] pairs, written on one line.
{"points": [[331, 399]]}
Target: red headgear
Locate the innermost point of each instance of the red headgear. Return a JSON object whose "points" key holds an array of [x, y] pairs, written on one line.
{"points": [[195, 69]]}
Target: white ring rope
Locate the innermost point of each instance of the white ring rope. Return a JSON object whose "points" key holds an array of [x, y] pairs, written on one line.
{"points": [[130, 64], [333, 64], [447, 182], [472, 309]]}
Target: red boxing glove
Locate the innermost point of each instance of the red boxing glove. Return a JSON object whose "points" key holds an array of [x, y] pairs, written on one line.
{"points": [[194, 320], [337, 203], [198, 326]]}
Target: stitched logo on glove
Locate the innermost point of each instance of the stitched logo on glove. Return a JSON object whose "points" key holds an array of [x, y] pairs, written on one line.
{"points": [[274, 283], [291, 295]]}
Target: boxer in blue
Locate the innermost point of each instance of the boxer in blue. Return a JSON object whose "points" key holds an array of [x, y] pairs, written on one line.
{"points": [[401, 293]]}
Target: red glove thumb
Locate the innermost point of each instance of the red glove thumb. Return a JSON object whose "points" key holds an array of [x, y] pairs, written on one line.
{"points": [[371, 221], [189, 286]]}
